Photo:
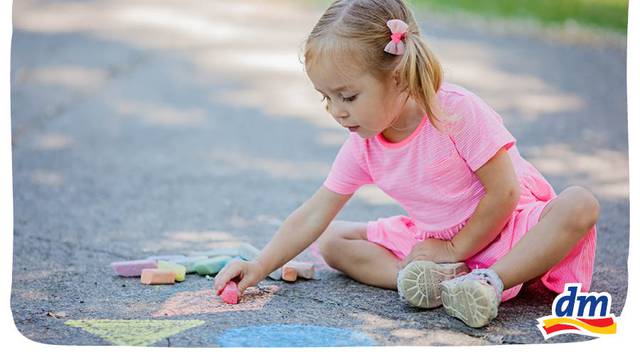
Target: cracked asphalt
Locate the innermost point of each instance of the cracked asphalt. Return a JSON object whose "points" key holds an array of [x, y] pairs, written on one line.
{"points": [[145, 128]]}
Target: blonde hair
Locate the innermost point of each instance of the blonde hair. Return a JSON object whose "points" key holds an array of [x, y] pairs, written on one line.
{"points": [[357, 30]]}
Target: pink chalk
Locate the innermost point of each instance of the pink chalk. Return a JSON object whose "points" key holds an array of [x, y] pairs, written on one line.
{"points": [[132, 268], [229, 293]]}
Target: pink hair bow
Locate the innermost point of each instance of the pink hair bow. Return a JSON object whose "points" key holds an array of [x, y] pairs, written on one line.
{"points": [[398, 32]]}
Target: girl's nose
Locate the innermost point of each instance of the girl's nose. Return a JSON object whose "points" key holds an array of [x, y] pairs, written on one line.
{"points": [[337, 113]]}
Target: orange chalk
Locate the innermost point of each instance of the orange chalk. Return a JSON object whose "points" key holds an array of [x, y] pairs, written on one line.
{"points": [[303, 269], [157, 276], [289, 274]]}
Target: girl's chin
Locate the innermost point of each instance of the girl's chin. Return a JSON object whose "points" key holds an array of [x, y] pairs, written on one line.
{"points": [[366, 134]]}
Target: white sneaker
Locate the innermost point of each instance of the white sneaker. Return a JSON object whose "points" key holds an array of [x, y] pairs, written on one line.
{"points": [[419, 281], [474, 297]]}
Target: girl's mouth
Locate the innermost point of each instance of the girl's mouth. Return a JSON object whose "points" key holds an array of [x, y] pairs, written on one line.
{"points": [[353, 128]]}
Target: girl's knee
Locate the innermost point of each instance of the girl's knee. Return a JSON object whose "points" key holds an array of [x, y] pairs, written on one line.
{"points": [[327, 245], [329, 241], [333, 240], [585, 207]]}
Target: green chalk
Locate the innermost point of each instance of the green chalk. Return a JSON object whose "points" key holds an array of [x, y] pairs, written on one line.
{"points": [[190, 263], [211, 266], [178, 269]]}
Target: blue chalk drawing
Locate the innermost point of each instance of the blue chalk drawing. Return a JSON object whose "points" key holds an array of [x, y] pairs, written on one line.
{"points": [[292, 336]]}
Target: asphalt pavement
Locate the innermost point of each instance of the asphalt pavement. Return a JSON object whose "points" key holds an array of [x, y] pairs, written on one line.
{"points": [[169, 127]]}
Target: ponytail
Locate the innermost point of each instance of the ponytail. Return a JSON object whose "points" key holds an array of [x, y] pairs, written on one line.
{"points": [[422, 73]]}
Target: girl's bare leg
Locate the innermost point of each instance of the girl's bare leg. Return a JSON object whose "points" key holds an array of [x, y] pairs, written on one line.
{"points": [[344, 247], [562, 224]]}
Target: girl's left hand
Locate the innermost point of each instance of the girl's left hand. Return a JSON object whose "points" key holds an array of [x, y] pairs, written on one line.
{"points": [[431, 249]]}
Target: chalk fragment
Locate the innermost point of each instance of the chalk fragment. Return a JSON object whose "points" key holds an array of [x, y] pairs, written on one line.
{"points": [[211, 266], [179, 270], [190, 262], [289, 274], [229, 293], [132, 268], [276, 274], [157, 277], [305, 270]]}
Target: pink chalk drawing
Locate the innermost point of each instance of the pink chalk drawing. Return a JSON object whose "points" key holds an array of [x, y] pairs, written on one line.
{"points": [[206, 302]]}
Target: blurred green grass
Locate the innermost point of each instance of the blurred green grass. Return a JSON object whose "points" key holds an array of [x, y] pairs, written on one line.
{"points": [[604, 14], [608, 14]]}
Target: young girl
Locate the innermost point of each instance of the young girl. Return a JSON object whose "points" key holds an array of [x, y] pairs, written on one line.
{"points": [[439, 150]]}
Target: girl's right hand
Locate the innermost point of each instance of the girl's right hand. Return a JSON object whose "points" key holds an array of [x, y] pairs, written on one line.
{"points": [[248, 273]]}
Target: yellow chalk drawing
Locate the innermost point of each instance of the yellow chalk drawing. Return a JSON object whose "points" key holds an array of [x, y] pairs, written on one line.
{"points": [[205, 302], [134, 332]]}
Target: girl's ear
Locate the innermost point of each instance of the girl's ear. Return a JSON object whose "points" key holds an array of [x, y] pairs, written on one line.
{"points": [[396, 78], [398, 82]]}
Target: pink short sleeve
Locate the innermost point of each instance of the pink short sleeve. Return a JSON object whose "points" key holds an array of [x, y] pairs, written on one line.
{"points": [[347, 173], [479, 132]]}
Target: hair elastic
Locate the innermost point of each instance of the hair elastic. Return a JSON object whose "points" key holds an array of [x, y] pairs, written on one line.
{"points": [[398, 33]]}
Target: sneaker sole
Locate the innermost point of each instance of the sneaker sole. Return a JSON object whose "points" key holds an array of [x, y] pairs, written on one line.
{"points": [[471, 302], [419, 282]]}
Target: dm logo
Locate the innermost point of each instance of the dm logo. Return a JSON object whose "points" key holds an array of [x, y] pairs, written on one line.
{"points": [[575, 312]]}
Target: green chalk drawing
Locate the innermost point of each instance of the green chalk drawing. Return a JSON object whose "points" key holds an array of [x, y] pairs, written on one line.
{"points": [[134, 332]]}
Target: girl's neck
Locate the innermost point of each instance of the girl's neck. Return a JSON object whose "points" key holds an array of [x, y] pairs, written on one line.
{"points": [[409, 119]]}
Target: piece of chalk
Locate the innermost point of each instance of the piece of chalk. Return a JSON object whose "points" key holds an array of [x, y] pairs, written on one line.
{"points": [[211, 266], [289, 274], [229, 293], [171, 258], [132, 268], [189, 263], [305, 270], [177, 269], [157, 276]]}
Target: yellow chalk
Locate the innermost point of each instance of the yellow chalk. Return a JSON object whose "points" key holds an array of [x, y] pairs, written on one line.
{"points": [[178, 269]]}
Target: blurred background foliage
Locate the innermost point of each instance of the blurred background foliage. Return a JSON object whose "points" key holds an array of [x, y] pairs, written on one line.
{"points": [[603, 14]]}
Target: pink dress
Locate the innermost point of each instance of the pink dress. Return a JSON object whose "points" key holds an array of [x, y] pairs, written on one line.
{"points": [[431, 174]]}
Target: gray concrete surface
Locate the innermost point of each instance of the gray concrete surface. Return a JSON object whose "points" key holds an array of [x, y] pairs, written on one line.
{"points": [[145, 128]]}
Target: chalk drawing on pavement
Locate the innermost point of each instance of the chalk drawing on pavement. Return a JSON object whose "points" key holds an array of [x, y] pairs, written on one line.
{"points": [[206, 302], [293, 335], [134, 332]]}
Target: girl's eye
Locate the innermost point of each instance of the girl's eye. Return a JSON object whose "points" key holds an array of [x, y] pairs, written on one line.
{"points": [[350, 99]]}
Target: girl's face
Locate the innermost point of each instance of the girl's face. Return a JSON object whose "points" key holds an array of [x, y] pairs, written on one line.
{"points": [[360, 103]]}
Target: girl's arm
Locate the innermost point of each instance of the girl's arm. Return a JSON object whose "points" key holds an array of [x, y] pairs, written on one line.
{"points": [[301, 228], [494, 210], [489, 218], [296, 233]]}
